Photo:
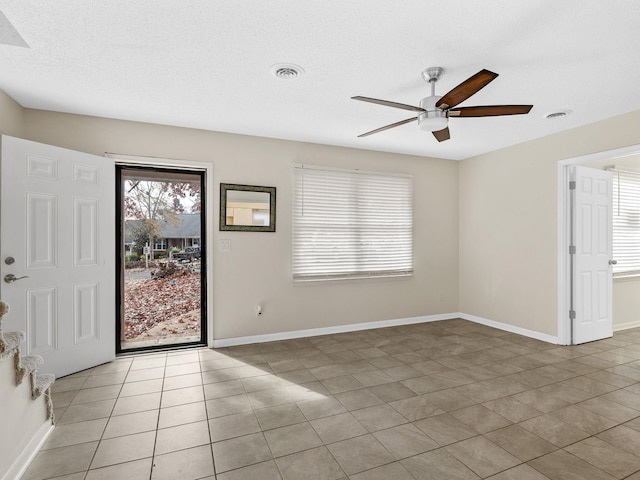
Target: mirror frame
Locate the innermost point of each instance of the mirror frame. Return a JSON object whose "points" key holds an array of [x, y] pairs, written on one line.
{"points": [[225, 187]]}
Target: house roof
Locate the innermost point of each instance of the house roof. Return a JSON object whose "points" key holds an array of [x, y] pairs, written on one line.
{"points": [[187, 225], [208, 65]]}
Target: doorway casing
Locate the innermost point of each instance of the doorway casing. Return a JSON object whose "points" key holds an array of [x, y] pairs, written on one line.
{"points": [[564, 231], [207, 168]]}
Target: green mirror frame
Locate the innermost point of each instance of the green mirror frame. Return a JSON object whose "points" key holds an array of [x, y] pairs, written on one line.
{"points": [[226, 187]]}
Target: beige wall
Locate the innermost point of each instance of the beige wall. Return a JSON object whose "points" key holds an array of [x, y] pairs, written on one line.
{"points": [[485, 228], [257, 270], [11, 115], [508, 223], [21, 417], [626, 303]]}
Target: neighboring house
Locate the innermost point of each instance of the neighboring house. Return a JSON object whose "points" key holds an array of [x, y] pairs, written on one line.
{"points": [[182, 233]]}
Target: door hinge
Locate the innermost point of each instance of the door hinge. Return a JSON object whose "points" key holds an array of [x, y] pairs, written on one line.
{"points": [[572, 249], [572, 314], [572, 185]]}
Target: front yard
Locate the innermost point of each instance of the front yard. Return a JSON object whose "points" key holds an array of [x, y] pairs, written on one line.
{"points": [[166, 304]]}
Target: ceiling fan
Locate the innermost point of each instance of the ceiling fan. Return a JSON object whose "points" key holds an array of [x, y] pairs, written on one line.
{"points": [[434, 111]]}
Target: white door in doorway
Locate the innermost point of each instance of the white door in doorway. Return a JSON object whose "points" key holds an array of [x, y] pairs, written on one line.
{"points": [[592, 272], [58, 236]]}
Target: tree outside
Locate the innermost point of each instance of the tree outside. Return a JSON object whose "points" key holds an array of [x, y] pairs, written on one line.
{"points": [[154, 202]]}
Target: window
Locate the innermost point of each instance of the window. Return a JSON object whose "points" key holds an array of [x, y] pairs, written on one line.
{"points": [[351, 224], [160, 244], [626, 222]]}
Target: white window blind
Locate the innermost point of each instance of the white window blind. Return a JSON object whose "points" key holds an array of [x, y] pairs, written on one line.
{"points": [[351, 224], [626, 221]]}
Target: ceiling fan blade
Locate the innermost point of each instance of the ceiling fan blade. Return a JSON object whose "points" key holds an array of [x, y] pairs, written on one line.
{"points": [[442, 135], [467, 88], [387, 127], [390, 104], [489, 110]]}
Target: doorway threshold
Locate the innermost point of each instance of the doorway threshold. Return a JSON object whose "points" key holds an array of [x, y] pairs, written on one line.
{"points": [[160, 348]]}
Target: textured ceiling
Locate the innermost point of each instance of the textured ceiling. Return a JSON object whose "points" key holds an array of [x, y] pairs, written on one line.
{"points": [[205, 64]]}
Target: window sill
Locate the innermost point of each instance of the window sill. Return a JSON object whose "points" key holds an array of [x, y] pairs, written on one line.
{"points": [[626, 277], [352, 278]]}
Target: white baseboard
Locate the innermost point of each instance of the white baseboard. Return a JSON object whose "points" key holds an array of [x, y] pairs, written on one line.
{"points": [[19, 466], [354, 327], [315, 332], [510, 328], [626, 326]]}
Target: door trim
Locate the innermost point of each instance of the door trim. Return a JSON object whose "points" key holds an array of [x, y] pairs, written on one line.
{"points": [[211, 207], [564, 230]]}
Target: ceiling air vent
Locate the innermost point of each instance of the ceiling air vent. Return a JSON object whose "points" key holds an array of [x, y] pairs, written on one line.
{"points": [[558, 114], [286, 71]]}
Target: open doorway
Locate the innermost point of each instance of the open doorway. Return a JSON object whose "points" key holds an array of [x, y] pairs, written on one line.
{"points": [[161, 258], [622, 282]]}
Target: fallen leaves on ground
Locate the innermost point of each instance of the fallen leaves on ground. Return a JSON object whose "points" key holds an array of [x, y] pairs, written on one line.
{"points": [[151, 301]]}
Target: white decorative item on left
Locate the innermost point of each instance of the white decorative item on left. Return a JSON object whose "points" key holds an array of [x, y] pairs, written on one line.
{"points": [[27, 413]]}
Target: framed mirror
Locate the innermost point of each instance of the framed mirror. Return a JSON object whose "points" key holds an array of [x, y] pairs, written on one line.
{"points": [[247, 208]]}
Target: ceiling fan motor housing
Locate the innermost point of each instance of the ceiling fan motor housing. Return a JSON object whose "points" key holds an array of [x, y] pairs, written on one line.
{"points": [[433, 119]]}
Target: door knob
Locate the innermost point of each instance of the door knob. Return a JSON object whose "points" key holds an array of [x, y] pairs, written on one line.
{"points": [[10, 278], [613, 262]]}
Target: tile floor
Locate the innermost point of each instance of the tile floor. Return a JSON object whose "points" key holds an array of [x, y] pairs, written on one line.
{"points": [[444, 400]]}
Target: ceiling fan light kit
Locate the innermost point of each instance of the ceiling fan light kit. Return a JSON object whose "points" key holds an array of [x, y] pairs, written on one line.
{"points": [[432, 119], [434, 111]]}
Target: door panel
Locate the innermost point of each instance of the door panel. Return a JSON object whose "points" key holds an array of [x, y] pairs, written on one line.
{"points": [[57, 221], [86, 315], [41, 213], [592, 274], [42, 320], [85, 245]]}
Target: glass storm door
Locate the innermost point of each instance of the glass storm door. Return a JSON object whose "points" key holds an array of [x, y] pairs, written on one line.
{"points": [[161, 258]]}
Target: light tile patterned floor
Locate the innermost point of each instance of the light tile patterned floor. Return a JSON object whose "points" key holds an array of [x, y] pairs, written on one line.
{"points": [[443, 400]]}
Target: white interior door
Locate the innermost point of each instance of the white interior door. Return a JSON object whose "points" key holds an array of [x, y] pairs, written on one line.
{"points": [[592, 272], [57, 225]]}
